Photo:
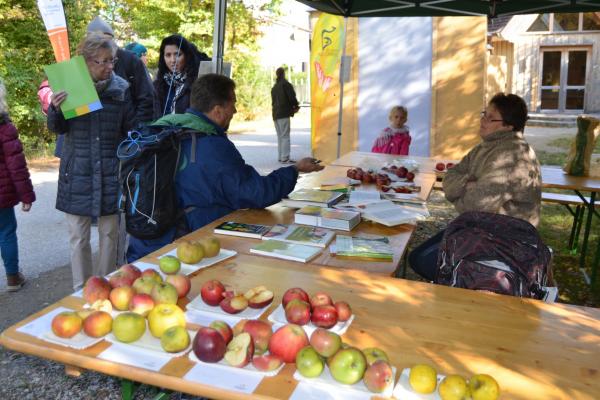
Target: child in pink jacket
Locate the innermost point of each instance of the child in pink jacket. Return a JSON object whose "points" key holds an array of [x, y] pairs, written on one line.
{"points": [[395, 139]]}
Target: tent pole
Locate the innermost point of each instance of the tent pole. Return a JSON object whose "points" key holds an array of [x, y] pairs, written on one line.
{"points": [[342, 67], [219, 35]]}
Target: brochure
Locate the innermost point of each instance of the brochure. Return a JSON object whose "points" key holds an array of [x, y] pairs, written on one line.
{"points": [[307, 235], [285, 250], [241, 229], [312, 197], [367, 247], [327, 218]]}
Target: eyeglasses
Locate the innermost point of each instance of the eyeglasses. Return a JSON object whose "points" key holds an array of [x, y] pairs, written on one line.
{"points": [[106, 62], [487, 118]]}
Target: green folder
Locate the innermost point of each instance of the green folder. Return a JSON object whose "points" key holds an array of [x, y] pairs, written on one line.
{"points": [[73, 77]]}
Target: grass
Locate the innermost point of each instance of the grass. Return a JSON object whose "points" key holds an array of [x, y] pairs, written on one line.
{"points": [[565, 143]]}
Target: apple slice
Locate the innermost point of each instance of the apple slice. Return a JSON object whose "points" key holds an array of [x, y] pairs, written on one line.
{"points": [[260, 300], [254, 291], [240, 350], [234, 305], [267, 362], [102, 305]]}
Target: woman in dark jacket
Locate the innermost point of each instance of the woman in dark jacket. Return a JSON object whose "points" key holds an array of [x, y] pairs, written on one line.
{"points": [[88, 183], [177, 70], [15, 188]]}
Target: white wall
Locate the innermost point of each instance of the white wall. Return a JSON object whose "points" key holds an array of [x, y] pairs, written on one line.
{"points": [[394, 69]]}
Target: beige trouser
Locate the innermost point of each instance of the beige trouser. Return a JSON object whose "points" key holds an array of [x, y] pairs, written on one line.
{"points": [[81, 251]]}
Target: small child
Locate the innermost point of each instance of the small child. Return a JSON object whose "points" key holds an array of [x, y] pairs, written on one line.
{"points": [[395, 139]]}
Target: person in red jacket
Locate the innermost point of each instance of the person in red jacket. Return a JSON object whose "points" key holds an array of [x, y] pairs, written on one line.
{"points": [[395, 139], [15, 188]]}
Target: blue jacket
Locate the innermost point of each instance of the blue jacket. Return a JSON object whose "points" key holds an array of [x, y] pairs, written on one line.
{"points": [[214, 180]]}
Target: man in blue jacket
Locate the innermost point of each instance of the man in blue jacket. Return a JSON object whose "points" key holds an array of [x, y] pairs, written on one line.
{"points": [[213, 179]]}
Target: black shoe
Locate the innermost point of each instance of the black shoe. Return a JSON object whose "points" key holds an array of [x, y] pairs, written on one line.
{"points": [[15, 282]]}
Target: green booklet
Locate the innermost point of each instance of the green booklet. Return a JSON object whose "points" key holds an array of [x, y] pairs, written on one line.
{"points": [[73, 77], [308, 235], [367, 247], [286, 251]]}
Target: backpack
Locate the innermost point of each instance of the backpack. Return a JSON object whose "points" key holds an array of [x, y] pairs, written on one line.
{"points": [[149, 159], [498, 253]]}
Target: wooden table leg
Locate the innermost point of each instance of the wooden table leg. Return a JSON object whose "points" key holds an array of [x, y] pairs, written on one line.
{"points": [[73, 371], [586, 231]]}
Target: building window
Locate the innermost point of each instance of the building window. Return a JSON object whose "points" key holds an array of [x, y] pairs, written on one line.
{"points": [[591, 21], [566, 22]]}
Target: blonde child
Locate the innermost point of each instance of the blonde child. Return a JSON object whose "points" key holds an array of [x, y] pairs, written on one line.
{"points": [[395, 139]]}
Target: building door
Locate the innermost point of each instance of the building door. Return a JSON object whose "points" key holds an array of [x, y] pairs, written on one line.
{"points": [[563, 78]]}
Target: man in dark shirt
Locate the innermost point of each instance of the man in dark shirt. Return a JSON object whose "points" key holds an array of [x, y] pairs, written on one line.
{"points": [[285, 105]]}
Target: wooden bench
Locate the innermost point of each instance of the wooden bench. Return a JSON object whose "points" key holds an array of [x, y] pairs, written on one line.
{"points": [[569, 200]]}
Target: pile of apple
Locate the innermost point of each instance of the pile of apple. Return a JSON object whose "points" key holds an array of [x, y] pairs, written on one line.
{"points": [[400, 172], [214, 294], [318, 309], [139, 295], [193, 251], [368, 176], [441, 167], [423, 380]]}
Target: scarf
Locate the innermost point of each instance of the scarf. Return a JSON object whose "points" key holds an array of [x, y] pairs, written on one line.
{"points": [[177, 82], [102, 85]]}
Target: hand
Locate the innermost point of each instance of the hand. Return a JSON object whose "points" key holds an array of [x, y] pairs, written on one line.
{"points": [[26, 206], [58, 98], [309, 164]]}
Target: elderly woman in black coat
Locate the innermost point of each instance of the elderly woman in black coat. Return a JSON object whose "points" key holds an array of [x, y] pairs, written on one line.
{"points": [[88, 184]]}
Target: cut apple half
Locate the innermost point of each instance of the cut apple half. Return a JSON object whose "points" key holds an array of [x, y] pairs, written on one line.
{"points": [[240, 350], [234, 305], [267, 362], [261, 299], [102, 305], [254, 291]]}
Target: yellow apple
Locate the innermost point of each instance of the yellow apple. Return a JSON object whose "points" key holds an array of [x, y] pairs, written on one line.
{"points": [[454, 387], [484, 387], [423, 378], [128, 327], [211, 246], [189, 252], [175, 339], [164, 316]]}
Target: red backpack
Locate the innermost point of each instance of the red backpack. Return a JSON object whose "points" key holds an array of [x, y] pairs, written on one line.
{"points": [[493, 252]]}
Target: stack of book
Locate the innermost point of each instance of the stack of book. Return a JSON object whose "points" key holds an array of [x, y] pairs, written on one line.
{"points": [[312, 197], [305, 235], [327, 218]]}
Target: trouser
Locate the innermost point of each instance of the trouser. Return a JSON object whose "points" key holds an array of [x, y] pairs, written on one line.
{"points": [[8, 240], [122, 241], [81, 251], [423, 259], [282, 126]]}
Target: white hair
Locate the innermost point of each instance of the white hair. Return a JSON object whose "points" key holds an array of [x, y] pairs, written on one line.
{"points": [[3, 104]]}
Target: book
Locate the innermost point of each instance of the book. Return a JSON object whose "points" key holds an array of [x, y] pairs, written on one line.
{"points": [[387, 213], [327, 218], [367, 247], [285, 250], [312, 197], [305, 235], [241, 229]]}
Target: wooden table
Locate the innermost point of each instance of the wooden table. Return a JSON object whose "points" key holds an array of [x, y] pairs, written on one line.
{"points": [[365, 159], [534, 350]]}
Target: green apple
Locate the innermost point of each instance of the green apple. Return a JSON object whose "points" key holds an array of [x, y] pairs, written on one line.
{"points": [[423, 378], [211, 246], [348, 365], [373, 354], [454, 387], [484, 387], [164, 316], [175, 339], [309, 363], [169, 264], [144, 284], [189, 253], [128, 327], [164, 293]]}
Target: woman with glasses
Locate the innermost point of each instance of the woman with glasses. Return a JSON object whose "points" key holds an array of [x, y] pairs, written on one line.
{"points": [[88, 182]]}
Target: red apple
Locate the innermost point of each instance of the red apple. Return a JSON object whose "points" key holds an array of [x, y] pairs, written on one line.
{"points": [[343, 310], [240, 350], [378, 376], [410, 176], [125, 276], [121, 296], [324, 316], [212, 292], [209, 345], [182, 284], [224, 329], [287, 341], [401, 172], [449, 165], [325, 342], [97, 324], [142, 304], [320, 299], [152, 274], [260, 331], [234, 305], [131, 270], [266, 362], [66, 324], [297, 312], [96, 288], [294, 293], [440, 166]]}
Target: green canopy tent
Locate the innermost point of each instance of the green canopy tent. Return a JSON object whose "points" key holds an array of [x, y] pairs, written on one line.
{"points": [[432, 8]]}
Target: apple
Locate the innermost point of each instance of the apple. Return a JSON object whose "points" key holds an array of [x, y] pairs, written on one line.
{"points": [[454, 387], [260, 331], [182, 284], [410, 176], [98, 324], [125, 276], [66, 324], [320, 299], [440, 166], [121, 296], [423, 378], [484, 387], [212, 292], [164, 293], [188, 252], [297, 312], [102, 305], [83, 314], [209, 345], [378, 376], [234, 305], [373, 354], [287, 341], [401, 172], [309, 363], [325, 342], [343, 310], [142, 304], [449, 165], [175, 339], [128, 327], [224, 329], [259, 297], [211, 246], [348, 366], [96, 288], [131, 270], [240, 350], [152, 273], [164, 316], [294, 293], [144, 284], [170, 264], [324, 316], [266, 362]]}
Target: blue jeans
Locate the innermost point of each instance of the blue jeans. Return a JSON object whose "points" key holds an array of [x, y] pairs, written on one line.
{"points": [[8, 240]]}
